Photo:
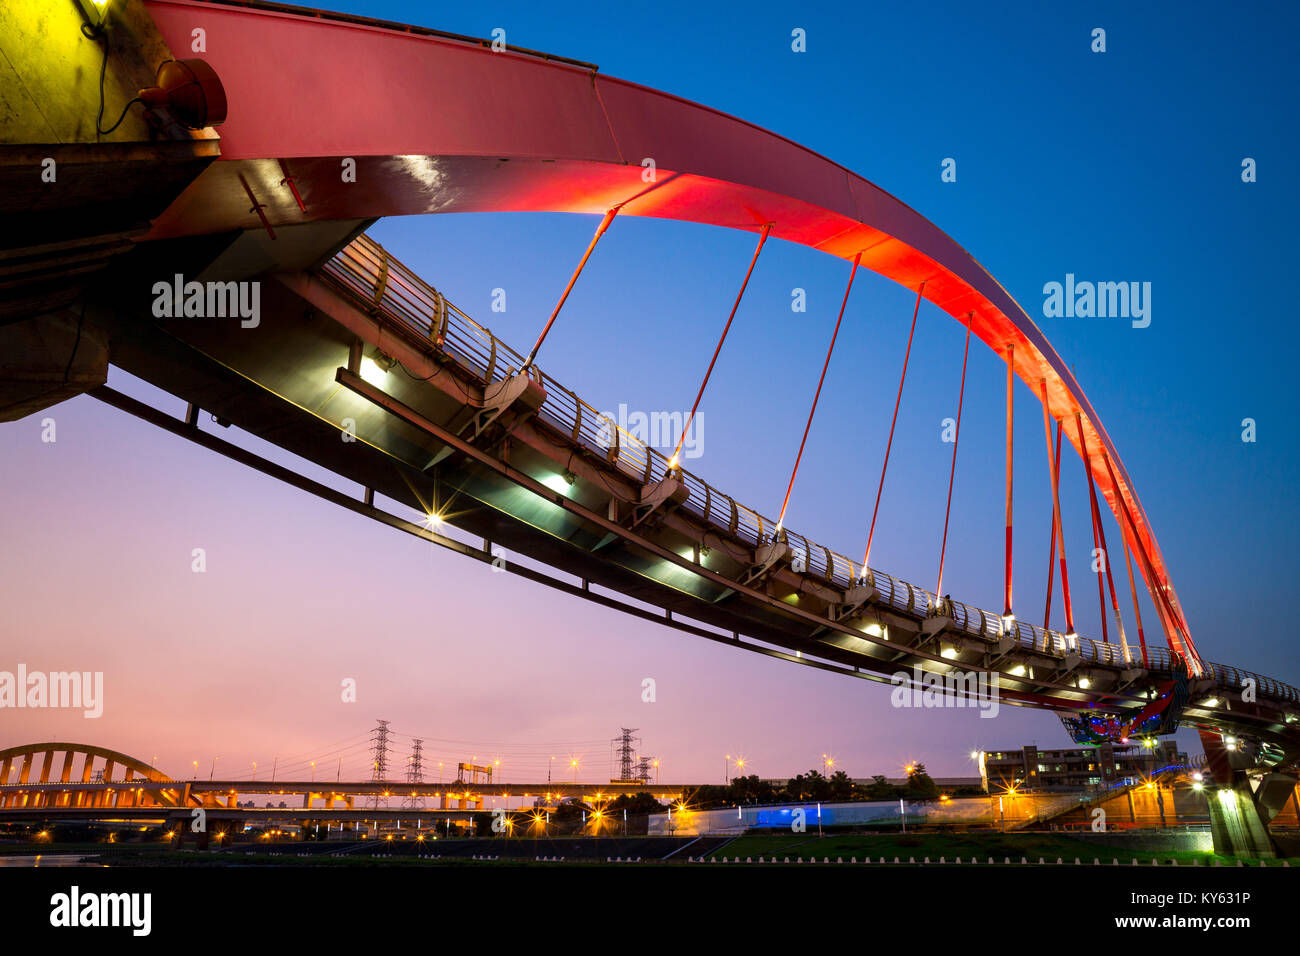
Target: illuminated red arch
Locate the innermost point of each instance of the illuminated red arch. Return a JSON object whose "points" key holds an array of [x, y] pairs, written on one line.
{"points": [[439, 124]]}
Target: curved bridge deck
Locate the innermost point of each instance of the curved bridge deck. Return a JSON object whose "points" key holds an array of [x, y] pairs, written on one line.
{"points": [[454, 430]]}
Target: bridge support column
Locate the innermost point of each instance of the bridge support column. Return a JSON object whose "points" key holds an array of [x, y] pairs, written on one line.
{"points": [[1239, 814], [1236, 824], [180, 827], [201, 839]]}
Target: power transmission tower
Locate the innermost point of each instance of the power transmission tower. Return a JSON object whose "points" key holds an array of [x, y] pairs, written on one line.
{"points": [[643, 769], [380, 765], [626, 746], [415, 772], [415, 775]]}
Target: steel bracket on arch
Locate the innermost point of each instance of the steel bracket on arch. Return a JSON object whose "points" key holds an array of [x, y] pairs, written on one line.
{"points": [[767, 558], [935, 624], [931, 628], [855, 598], [1130, 677], [1070, 662], [520, 392], [1006, 644], [662, 496]]}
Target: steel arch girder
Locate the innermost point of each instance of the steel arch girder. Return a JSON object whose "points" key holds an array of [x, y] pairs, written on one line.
{"points": [[436, 124]]}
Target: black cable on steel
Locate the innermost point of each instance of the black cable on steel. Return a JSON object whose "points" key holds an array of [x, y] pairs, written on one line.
{"points": [[102, 36]]}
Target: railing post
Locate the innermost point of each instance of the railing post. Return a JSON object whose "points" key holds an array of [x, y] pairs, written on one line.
{"points": [[381, 281], [440, 315], [577, 416]]}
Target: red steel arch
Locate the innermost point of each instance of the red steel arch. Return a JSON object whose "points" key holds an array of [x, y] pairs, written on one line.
{"points": [[439, 124]]}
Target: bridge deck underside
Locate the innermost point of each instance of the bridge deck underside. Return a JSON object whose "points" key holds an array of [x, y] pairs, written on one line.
{"points": [[280, 382]]}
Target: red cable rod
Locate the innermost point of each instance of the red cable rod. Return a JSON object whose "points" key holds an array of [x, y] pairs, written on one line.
{"points": [[672, 462], [952, 472], [866, 558], [817, 395], [610, 213], [1051, 551], [1053, 462], [1137, 608], [1098, 534], [1007, 613]]}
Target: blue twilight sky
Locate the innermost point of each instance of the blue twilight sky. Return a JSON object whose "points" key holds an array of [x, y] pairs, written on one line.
{"points": [[1115, 166]]}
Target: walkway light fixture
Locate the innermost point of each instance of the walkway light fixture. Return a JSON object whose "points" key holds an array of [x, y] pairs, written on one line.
{"points": [[375, 366], [190, 91], [94, 12]]}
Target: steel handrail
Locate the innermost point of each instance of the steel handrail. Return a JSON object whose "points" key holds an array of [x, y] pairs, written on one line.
{"points": [[365, 271]]}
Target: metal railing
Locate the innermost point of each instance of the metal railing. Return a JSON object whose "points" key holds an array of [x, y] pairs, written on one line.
{"points": [[383, 286]]}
